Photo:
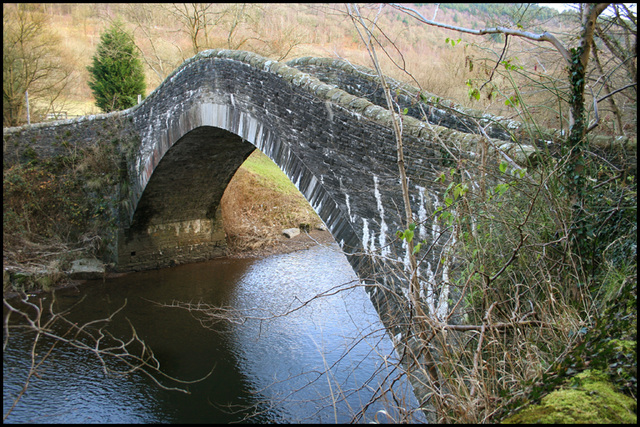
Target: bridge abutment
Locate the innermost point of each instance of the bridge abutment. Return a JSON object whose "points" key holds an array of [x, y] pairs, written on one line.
{"points": [[165, 245]]}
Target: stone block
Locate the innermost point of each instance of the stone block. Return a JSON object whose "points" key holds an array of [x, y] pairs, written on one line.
{"points": [[86, 268], [291, 232]]}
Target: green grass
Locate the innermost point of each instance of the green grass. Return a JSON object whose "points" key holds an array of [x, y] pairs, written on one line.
{"points": [[269, 173]]}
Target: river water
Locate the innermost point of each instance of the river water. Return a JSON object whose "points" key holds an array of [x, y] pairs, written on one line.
{"points": [[321, 363]]}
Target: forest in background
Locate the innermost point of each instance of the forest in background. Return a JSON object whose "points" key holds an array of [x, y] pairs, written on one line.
{"points": [[64, 37]]}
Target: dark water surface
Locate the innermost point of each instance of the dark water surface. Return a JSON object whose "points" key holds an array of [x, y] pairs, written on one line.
{"points": [[278, 366]]}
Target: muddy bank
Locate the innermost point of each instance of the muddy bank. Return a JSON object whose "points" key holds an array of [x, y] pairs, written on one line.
{"points": [[283, 245]]}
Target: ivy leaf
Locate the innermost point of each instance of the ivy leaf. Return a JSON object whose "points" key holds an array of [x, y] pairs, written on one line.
{"points": [[501, 188], [448, 201], [503, 167], [408, 235]]}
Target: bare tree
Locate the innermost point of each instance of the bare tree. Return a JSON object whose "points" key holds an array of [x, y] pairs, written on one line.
{"points": [[31, 61], [276, 36], [197, 20], [618, 75], [160, 59]]}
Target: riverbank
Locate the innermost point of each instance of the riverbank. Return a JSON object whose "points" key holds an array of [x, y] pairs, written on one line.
{"points": [[279, 245], [258, 204]]}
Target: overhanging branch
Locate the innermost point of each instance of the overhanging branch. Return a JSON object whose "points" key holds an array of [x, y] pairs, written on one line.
{"points": [[544, 37]]}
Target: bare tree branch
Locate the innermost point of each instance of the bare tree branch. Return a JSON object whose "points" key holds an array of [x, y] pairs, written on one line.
{"points": [[544, 37]]}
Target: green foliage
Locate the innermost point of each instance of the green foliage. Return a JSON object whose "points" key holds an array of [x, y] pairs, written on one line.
{"points": [[473, 91], [512, 101], [117, 75], [452, 41]]}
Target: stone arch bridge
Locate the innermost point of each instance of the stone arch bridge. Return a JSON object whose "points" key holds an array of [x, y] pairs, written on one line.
{"points": [[322, 121]]}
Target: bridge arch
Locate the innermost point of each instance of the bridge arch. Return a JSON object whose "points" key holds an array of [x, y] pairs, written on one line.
{"points": [[177, 216], [198, 127]]}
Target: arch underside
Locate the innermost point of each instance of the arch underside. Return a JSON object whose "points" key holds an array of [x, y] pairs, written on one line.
{"points": [[177, 218]]}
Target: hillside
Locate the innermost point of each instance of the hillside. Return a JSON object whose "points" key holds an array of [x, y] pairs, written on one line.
{"points": [[444, 62], [285, 31]]}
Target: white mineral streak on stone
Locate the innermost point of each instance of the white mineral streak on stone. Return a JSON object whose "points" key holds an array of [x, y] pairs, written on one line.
{"points": [[240, 125], [312, 185], [405, 293], [253, 128], [439, 309], [365, 233], [431, 272], [207, 114], [422, 214], [443, 301], [346, 201], [259, 142], [429, 279], [407, 258], [212, 115], [384, 250], [398, 338]]}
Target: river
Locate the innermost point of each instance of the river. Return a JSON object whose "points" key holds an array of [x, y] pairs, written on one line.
{"points": [[321, 363]]}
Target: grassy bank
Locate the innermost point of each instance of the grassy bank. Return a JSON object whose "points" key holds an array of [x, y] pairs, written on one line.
{"points": [[259, 203]]}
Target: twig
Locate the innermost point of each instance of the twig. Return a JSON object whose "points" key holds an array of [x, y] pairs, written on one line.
{"points": [[504, 49]]}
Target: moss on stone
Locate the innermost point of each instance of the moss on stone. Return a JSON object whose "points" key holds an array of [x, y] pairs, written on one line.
{"points": [[588, 398]]}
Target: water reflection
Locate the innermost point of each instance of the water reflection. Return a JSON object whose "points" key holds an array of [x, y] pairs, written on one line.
{"points": [[275, 365]]}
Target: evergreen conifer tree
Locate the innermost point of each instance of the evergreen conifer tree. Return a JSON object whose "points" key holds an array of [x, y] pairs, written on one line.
{"points": [[117, 75]]}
